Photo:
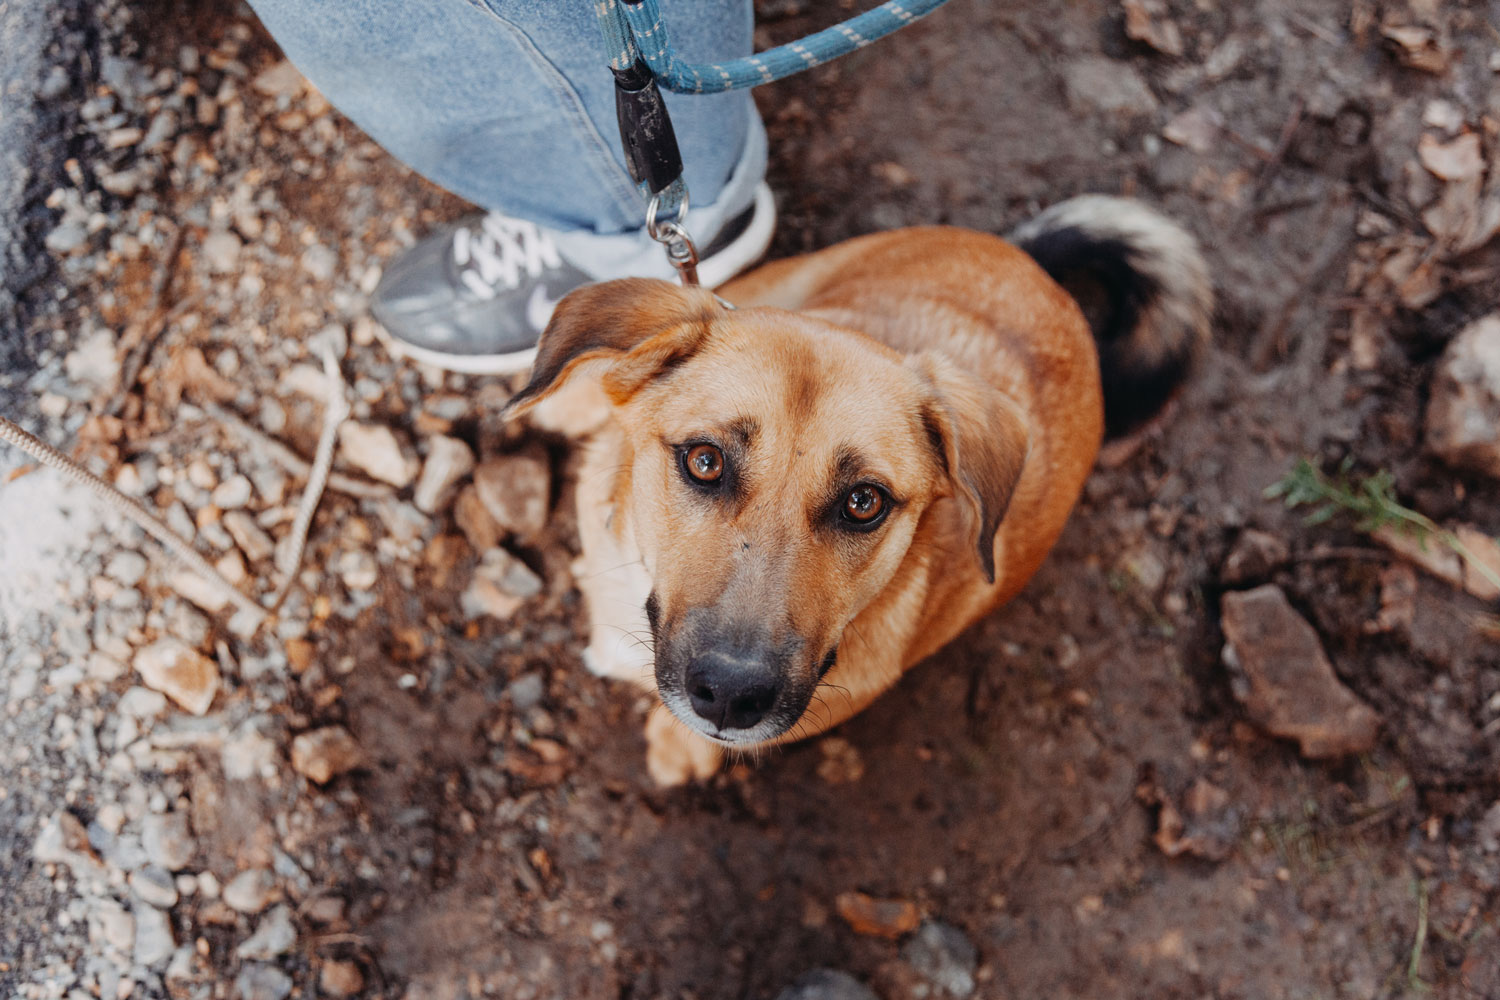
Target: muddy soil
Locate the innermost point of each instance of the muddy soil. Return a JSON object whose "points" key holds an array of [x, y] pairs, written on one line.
{"points": [[502, 838]]}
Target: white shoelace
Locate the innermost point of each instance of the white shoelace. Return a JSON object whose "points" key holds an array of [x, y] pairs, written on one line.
{"points": [[492, 258]]}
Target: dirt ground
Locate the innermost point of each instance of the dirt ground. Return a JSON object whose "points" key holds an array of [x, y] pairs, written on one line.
{"points": [[501, 838]]}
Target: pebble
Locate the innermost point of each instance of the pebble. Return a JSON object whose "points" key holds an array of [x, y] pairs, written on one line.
{"points": [[94, 361], [516, 490], [826, 984], [358, 569], [274, 936], [1098, 83], [280, 79], [944, 956], [141, 703], [320, 262], [475, 520], [262, 982], [250, 891], [1463, 416], [1285, 681], [221, 251], [888, 918], [111, 925], [232, 493], [247, 535], [500, 585], [198, 590], [448, 461], [168, 841], [1254, 556], [324, 754], [154, 942], [526, 692], [181, 673], [340, 979], [154, 886], [126, 567], [374, 450], [248, 754]]}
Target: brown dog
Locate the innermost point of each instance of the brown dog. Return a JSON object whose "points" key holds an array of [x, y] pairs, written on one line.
{"points": [[817, 489]]}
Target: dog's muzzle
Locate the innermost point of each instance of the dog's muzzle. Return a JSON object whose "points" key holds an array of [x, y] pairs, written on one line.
{"points": [[732, 683]]}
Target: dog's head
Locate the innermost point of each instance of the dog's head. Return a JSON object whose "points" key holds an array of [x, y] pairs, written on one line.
{"points": [[777, 469]]}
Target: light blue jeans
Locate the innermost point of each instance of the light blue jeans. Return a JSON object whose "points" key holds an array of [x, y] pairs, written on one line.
{"points": [[510, 104]]}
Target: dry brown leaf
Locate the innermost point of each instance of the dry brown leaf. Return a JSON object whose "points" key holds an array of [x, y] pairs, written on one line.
{"points": [[1417, 46], [1196, 129], [1456, 160], [1151, 22]]}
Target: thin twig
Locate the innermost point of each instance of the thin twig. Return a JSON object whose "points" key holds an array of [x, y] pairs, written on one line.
{"points": [[289, 459], [132, 509], [159, 317], [336, 411]]}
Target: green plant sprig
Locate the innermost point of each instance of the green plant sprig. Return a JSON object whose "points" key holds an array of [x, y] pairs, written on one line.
{"points": [[1371, 500]]}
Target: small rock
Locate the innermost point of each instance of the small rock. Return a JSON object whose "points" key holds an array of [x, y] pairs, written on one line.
{"points": [[1489, 829], [888, 918], [94, 361], [475, 521], [274, 936], [516, 490], [944, 956], [168, 841], [64, 841], [320, 262], [324, 754], [1284, 679], [221, 251], [280, 79], [248, 754], [526, 692], [126, 567], [358, 569], [262, 982], [1463, 417], [373, 449], [111, 925], [67, 237], [448, 461], [154, 942], [340, 979], [250, 891], [1254, 556], [181, 673], [198, 590], [1097, 83], [252, 541], [154, 886], [500, 585], [232, 493], [841, 763], [826, 984]]}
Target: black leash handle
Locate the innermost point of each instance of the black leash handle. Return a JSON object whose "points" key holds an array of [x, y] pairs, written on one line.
{"points": [[646, 133]]}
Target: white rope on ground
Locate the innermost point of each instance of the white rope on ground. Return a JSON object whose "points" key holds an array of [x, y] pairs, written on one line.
{"points": [[132, 509]]}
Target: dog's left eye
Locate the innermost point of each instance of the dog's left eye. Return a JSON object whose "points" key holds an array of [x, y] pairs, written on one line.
{"points": [[864, 506], [703, 463]]}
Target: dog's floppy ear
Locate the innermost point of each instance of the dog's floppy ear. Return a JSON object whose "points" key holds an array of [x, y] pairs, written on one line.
{"points": [[638, 325], [980, 440]]}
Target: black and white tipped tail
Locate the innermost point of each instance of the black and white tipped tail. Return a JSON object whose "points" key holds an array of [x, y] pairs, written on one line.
{"points": [[1141, 281]]}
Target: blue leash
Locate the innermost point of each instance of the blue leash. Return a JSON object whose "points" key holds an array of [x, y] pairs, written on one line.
{"points": [[643, 61], [636, 29]]}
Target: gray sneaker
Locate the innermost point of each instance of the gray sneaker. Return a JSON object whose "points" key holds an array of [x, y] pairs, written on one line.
{"points": [[475, 295]]}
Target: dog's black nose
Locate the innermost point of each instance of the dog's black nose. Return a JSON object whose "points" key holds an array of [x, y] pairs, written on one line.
{"points": [[731, 691]]}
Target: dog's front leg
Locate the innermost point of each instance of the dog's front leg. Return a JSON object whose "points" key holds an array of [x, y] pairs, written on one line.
{"points": [[675, 754]]}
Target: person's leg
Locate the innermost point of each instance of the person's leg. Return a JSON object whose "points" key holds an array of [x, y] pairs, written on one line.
{"points": [[510, 104]]}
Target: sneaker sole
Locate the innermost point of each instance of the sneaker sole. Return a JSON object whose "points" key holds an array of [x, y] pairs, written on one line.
{"points": [[745, 250]]}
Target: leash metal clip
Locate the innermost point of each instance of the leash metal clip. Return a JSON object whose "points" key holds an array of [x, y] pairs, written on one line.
{"points": [[682, 252]]}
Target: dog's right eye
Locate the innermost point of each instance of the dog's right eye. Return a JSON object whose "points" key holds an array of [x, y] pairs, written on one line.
{"points": [[703, 463]]}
